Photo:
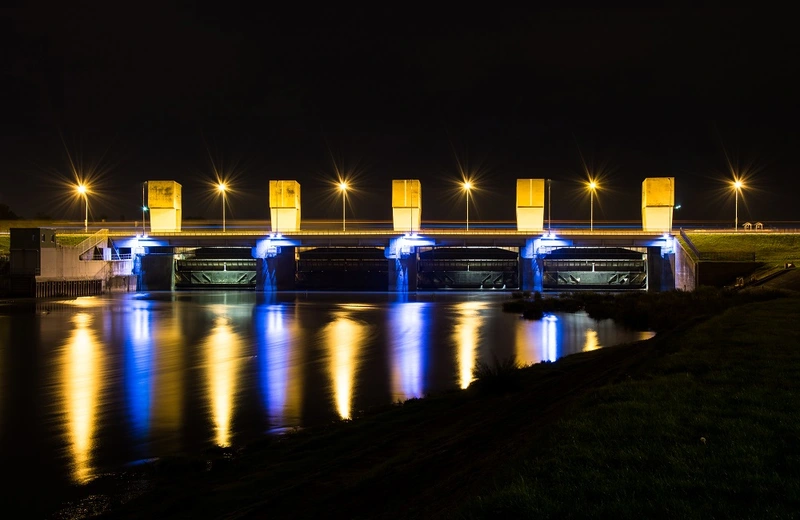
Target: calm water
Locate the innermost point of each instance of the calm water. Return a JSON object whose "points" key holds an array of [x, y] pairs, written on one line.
{"points": [[90, 385]]}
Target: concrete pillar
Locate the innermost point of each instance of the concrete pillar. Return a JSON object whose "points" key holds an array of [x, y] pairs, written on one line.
{"points": [[158, 272], [284, 206], [165, 206], [660, 270], [530, 204], [406, 205], [658, 200], [531, 267], [403, 274], [275, 271]]}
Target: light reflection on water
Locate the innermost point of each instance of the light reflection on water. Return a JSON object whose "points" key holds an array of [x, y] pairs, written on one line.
{"points": [[344, 337], [279, 338], [81, 388], [408, 345], [222, 351], [140, 377], [467, 337]]}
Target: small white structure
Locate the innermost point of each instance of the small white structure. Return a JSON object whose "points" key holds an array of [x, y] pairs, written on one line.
{"points": [[530, 204], [658, 201], [406, 204], [284, 206], [164, 203]]}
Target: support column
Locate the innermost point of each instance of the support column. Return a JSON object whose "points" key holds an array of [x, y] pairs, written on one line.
{"points": [[275, 270], [403, 274], [531, 267], [660, 270], [158, 272]]}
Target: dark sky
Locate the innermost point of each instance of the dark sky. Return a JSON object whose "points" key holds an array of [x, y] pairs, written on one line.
{"points": [[158, 92]]}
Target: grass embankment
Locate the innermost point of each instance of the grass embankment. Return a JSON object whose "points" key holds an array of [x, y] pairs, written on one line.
{"points": [[69, 240], [711, 430], [770, 248], [700, 421]]}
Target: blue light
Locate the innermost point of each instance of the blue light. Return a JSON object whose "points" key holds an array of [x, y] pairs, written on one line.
{"points": [[409, 349]]}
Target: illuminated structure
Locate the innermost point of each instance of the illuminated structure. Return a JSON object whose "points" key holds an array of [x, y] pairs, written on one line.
{"points": [[406, 204], [164, 201], [658, 200], [530, 204], [284, 205]]}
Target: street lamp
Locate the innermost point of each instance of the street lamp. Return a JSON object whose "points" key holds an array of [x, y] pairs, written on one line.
{"points": [[737, 187], [467, 187], [221, 187], [592, 188], [83, 190], [343, 187], [144, 211], [549, 205]]}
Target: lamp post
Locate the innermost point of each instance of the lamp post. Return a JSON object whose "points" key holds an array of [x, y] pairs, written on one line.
{"points": [[549, 205], [83, 190], [343, 187], [592, 189], [221, 187], [144, 211], [467, 188], [737, 187]]}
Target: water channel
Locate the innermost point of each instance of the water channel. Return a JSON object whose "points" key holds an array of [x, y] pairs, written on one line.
{"points": [[93, 384]]}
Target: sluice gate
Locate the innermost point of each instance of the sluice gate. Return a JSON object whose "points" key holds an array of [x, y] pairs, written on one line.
{"points": [[468, 268], [209, 268], [573, 268], [342, 269]]}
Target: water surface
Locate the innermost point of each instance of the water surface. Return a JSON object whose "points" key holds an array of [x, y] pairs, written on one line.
{"points": [[90, 385]]}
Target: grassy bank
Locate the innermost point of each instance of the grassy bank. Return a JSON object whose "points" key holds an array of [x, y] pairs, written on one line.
{"points": [[710, 430], [771, 248], [700, 421]]}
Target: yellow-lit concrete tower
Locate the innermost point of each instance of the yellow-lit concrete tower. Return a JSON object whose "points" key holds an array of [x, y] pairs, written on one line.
{"points": [[164, 204], [406, 204], [284, 205], [658, 200], [530, 204]]}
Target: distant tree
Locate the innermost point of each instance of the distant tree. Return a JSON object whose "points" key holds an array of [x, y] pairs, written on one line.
{"points": [[41, 215], [7, 214]]}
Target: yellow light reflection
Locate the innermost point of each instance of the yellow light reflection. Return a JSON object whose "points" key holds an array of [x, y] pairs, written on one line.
{"points": [[467, 336], [592, 341], [168, 380], [222, 350], [344, 338], [81, 387]]}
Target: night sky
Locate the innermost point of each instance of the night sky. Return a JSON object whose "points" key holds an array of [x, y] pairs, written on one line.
{"points": [[155, 92]]}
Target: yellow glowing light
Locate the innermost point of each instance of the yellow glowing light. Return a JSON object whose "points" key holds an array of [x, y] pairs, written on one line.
{"points": [[221, 187], [343, 186], [467, 336], [467, 186], [82, 189], [223, 352], [592, 185], [81, 386], [737, 184], [344, 338], [592, 341]]}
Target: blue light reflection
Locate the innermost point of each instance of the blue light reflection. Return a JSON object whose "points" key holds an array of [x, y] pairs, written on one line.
{"points": [[139, 367], [409, 349], [276, 336]]}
